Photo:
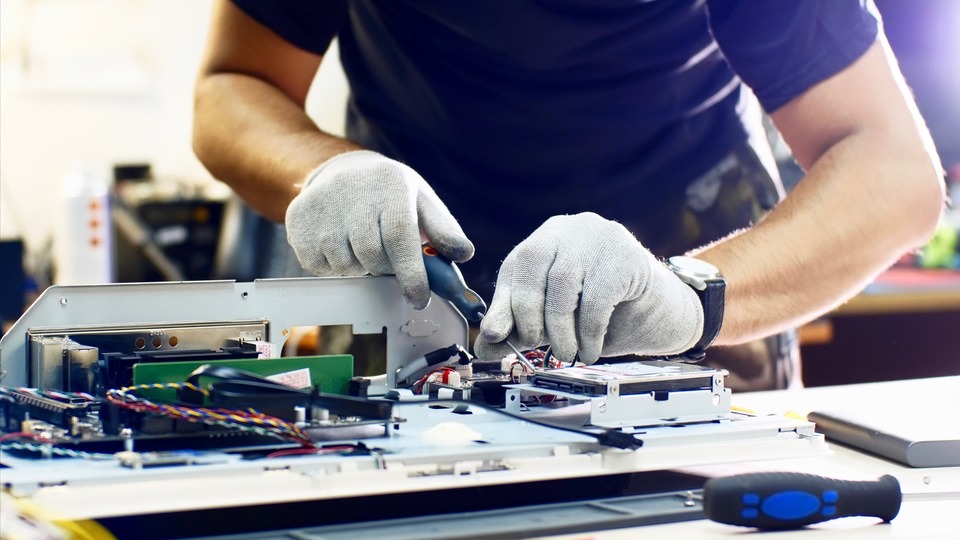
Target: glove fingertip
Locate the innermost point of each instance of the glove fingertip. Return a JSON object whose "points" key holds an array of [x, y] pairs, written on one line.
{"points": [[593, 326], [496, 326], [485, 350], [565, 354], [589, 356], [491, 335], [416, 294], [443, 231], [419, 300], [457, 249]]}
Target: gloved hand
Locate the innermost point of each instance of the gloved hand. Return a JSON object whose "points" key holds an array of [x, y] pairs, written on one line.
{"points": [[363, 213], [585, 284]]}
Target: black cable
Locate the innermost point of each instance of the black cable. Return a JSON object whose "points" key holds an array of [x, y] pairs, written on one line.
{"points": [[607, 437], [240, 389]]}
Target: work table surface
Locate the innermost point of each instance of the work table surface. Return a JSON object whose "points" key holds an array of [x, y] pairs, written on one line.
{"points": [[931, 509]]}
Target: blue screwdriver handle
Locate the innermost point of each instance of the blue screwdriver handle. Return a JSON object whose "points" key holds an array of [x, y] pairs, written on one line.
{"points": [[447, 282], [788, 500]]}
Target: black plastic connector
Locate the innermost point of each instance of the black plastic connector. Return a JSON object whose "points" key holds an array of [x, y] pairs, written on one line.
{"points": [[619, 439]]}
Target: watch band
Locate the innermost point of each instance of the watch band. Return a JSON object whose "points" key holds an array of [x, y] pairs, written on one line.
{"points": [[708, 283], [712, 300]]}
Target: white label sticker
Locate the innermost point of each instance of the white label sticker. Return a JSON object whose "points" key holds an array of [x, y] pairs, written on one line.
{"points": [[298, 379], [265, 348]]}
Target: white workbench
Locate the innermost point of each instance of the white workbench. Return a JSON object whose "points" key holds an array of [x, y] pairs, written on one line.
{"points": [[931, 509]]}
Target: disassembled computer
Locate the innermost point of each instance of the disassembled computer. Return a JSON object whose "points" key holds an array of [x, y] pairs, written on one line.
{"points": [[125, 401]]}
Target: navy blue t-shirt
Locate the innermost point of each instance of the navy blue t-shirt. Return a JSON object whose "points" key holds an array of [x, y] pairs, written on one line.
{"points": [[517, 110]]}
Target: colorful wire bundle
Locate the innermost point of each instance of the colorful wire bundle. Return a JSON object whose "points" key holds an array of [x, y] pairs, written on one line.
{"points": [[126, 398], [249, 420]]}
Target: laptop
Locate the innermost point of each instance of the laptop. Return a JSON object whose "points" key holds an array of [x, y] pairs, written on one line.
{"points": [[918, 431]]}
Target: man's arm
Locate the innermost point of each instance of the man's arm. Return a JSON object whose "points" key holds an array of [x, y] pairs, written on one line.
{"points": [[250, 127], [873, 190], [346, 212]]}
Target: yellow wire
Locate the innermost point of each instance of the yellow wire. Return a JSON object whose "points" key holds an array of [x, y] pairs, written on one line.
{"points": [[80, 529]]}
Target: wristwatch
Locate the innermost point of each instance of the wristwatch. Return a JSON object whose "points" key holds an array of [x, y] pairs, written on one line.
{"points": [[709, 285]]}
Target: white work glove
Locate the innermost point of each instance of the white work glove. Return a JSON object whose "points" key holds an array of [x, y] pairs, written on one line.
{"points": [[585, 284], [363, 213]]}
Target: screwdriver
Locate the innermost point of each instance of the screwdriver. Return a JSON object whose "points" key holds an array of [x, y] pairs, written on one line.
{"points": [[447, 282], [783, 500]]}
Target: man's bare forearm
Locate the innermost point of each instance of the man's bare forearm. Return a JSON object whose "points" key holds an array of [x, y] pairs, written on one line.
{"points": [[256, 139], [859, 208], [873, 190]]}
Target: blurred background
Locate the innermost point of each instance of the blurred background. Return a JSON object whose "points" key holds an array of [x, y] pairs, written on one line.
{"points": [[98, 181]]}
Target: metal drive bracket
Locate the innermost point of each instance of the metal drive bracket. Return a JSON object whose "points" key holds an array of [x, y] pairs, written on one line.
{"points": [[644, 409], [368, 303]]}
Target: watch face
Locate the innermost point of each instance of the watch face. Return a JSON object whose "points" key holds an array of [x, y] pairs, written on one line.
{"points": [[693, 267]]}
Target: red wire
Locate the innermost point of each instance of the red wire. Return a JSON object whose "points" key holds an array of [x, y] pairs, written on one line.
{"points": [[418, 386], [309, 450], [24, 435]]}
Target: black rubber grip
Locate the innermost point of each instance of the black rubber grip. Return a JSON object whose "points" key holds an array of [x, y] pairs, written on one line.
{"points": [[787, 500], [446, 281]]}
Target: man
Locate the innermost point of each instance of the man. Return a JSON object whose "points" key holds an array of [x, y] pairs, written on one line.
{"points": [[629, 122]]}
